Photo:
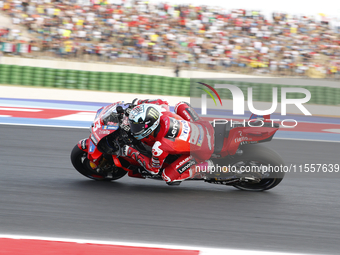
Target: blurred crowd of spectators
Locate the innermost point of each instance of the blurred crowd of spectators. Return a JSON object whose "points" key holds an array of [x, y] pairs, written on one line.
{"points": [[161, 34]]}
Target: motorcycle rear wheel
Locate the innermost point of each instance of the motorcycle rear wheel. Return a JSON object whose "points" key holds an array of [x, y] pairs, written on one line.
{"points": [[257, 154], [82, 164]]}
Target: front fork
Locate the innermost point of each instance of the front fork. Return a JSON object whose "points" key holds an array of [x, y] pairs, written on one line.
{"points": [[93, 154]]}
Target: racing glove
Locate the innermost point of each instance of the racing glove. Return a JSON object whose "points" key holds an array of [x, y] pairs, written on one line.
{"points": [[144, 161]]}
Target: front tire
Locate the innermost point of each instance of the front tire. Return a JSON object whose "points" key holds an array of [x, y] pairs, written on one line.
{"points": [[82, 164]]}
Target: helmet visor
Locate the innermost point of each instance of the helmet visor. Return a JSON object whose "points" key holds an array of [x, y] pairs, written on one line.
{"points": [[137, 128]]}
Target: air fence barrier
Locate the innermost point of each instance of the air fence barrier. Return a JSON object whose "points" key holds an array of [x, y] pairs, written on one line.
{"points": [[148, 84]]}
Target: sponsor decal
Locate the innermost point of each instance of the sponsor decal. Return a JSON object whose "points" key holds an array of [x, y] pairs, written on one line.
{"points": [[138, 109], [135, 111], [153, 113], [166, 121], [242, 139], [193, 114], [104, 132], [187, 115], [194, 133], [185, 130], [148, 132], [96, 125], [92, 147], [173, 129], [94, 140], [186, 166], [83, 143], [200, 139], [96, 136], [209, 138], [111, 127], [156, 151], [183, 161]]}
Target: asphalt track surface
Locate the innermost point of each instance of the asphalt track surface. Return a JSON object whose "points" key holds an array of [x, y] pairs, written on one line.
{"points": [[41, 194]]}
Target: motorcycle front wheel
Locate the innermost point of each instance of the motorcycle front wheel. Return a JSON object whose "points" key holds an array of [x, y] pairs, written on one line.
{"points": [[82, 164]]}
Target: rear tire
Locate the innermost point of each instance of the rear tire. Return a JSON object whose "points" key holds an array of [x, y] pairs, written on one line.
{"points": [[261, 155], [82, 164]]}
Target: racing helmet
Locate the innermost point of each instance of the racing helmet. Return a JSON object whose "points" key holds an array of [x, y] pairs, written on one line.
{"points": [[144, 119]]}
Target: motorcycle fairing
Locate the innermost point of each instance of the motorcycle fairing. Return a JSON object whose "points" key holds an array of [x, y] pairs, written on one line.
{"points": [[99, 128], [246, 135]]}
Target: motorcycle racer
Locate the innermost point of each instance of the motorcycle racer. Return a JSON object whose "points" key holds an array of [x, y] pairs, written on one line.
{"points": [[181, 133]]}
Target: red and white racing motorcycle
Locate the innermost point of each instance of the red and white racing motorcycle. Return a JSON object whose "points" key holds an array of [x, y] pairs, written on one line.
{"points": [[239, 158]]}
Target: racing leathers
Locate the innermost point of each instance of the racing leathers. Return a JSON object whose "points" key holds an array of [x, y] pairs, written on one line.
{"points": [[181, 133]]}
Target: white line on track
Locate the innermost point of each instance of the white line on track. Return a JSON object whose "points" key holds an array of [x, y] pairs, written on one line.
{"points": [[80, 116], [203, 250], [19, 109]]}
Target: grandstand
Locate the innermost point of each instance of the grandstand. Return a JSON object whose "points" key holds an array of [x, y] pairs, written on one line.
{"points": [[195, 37]]}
